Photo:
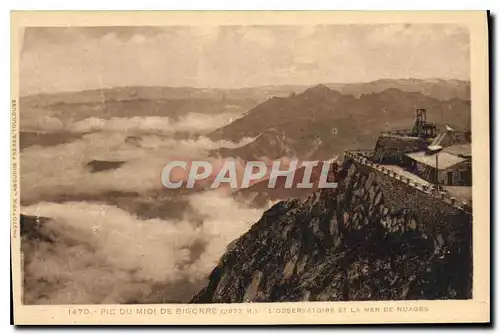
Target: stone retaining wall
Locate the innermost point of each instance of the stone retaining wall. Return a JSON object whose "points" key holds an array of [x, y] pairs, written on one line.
{"points": [[429, 190]]}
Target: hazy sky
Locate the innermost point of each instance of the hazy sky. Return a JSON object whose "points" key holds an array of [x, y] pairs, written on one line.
{"points": [[57, 59]]}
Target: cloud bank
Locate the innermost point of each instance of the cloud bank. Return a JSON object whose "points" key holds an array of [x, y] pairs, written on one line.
{"points": [[190, 123], [52, 172], [102, 254]]}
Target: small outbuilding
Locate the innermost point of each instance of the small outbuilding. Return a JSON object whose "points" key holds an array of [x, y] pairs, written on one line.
{"points": [[451, 166]]}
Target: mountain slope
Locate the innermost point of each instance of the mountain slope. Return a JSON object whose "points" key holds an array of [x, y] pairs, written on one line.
{"points": [[371, 239]]}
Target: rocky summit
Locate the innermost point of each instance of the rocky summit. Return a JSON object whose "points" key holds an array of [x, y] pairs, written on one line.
{"points": [[369, 239]]}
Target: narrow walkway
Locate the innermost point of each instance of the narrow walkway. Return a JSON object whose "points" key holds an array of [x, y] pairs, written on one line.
{"points": [[401, 171]]}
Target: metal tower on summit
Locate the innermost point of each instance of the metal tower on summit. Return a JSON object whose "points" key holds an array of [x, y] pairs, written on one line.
{"points": [[423, 128]]}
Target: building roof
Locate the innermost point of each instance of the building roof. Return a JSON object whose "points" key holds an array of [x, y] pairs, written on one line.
{"points": [[459, 149], [445, 159]]}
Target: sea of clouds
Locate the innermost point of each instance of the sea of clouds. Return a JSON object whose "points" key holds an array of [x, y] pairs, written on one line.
{"points": [[101, 253]]}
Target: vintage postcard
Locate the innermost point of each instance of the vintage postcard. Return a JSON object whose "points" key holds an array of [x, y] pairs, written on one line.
{"points": [[192, 168]]}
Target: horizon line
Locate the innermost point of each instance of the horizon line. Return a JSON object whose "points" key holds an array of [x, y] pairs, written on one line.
{"points": [[235, 88]]}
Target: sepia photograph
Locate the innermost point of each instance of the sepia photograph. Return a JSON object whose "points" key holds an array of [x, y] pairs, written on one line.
{"points": [[212, 164]]}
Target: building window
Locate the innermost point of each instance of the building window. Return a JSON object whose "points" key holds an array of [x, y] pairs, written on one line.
{"points": [[465, 177], [449, 180]]}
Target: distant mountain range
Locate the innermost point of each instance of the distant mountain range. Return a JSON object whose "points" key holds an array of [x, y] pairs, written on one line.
{"points": [[76, 107], [436, 88], [291, 120], [321, 122], [165, 101]]}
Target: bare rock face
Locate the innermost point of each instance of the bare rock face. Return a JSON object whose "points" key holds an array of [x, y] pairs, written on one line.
{"points": [[370, 239]]}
